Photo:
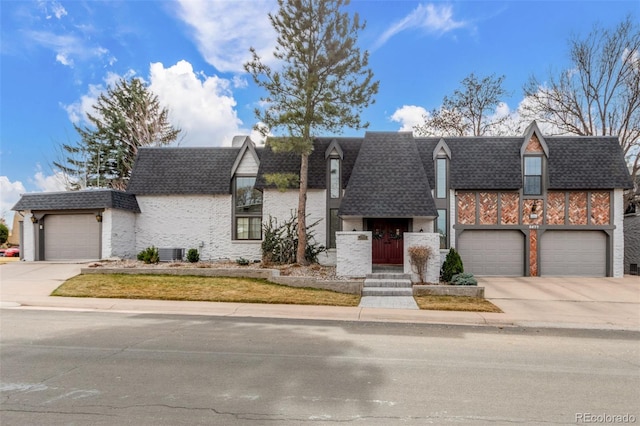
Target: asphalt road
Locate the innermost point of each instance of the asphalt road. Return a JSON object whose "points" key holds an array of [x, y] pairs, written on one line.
{"points": [[62, 367]]}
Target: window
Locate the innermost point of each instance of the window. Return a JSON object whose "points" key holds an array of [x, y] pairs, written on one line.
{"points": [[441, 178], [334, 178], [441, 227], [532, 175], [247, 209], [334, 226]]}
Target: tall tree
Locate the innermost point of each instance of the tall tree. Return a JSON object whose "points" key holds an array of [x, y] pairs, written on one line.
{"points": [[599, 94], [322, 86], [470, 111], [126, 117]]}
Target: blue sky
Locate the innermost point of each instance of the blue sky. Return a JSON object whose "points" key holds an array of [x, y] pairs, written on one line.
{"points": [[57, 56]]}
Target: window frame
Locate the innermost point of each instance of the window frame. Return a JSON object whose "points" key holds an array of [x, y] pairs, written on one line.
{"points": [[236, 216], [526, 175], [333, 202], [442, 184], [444, 239]]}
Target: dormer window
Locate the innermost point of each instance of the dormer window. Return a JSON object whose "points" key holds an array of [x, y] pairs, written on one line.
{"points": [[532, 175], [334, 178]]}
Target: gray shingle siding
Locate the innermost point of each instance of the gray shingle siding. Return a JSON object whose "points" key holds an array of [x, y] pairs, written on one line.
{"points": [[631, 241], [78, 200]]}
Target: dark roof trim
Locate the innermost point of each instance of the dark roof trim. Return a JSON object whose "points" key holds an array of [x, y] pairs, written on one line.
{"points": [[248, 145], [442, 145], [334, 145], [528, 133]]}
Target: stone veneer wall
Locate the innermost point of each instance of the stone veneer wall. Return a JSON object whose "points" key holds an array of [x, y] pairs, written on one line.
{"points": [[353, 253]]}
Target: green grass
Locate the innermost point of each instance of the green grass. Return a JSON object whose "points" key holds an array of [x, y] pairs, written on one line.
{"points": [[455, 303]]}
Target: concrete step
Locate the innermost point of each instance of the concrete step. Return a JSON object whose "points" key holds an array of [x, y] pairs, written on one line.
{"points": [[386, 291], [386, 282], [389, 275]]}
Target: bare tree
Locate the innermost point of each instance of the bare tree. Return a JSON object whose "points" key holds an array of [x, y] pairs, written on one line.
{"points": [[470, 111], [599, 94]]}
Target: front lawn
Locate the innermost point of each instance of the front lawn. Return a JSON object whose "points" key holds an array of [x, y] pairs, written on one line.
{"points": [[209, 289], [455, 303]]}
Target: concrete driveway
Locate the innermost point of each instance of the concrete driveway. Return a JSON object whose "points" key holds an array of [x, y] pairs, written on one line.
{"points": [[582, 303]]}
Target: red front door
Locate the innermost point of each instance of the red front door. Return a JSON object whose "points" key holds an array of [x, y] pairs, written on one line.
{"points": [[388, 244]]}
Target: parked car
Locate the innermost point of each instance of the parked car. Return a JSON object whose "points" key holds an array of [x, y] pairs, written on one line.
{"points": [[2, 252], [12, 252]]}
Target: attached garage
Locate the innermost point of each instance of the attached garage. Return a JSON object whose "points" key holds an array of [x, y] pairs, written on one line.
{"points": [[573, 253], [71, 237], [492, 252]]}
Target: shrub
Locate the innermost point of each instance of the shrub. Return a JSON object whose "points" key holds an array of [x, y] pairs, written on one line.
{"points": [[452, 265], [281, 242], [242, 261], [4, 233], [418, 258], [149, 255], [465, 278], [193, 256]]}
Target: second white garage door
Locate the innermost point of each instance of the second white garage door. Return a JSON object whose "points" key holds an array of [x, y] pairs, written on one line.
{"points": [[578, 253], [71, 237], [492, 252]]}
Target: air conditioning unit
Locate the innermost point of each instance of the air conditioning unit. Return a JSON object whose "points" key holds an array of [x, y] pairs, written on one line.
{"points": [[170, 254]]}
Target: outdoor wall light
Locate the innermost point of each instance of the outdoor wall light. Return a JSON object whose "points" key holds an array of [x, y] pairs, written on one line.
{"points": [[34, 219], [534, 209], [99, 217]]}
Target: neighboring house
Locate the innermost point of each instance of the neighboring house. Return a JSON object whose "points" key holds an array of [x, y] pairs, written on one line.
{"points": [[523, 206], [632, 243]]}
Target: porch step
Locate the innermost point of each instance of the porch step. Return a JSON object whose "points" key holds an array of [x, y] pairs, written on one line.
{"points": [[387, 284], [387, 291]]}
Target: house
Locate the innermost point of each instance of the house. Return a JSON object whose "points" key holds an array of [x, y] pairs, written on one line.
{"points": [[632, 243], [523, 206]]}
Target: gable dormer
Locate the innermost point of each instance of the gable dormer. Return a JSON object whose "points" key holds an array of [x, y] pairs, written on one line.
{"points": [[247, 160], [441, 159], [534, 153]]}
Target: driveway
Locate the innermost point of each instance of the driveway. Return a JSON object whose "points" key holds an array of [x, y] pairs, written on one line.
{"points": [[30, 283], [581, 302]]}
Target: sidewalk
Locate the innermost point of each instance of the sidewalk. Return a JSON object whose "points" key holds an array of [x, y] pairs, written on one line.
{"points": [[584, 303]]}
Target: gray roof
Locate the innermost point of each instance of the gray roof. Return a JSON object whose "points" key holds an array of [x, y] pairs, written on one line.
{"points": [[78, 200], [388, 179], [587, 163], [166, 171], [271, 162]]}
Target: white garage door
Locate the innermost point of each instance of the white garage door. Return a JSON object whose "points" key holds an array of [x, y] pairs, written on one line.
{"points": [[71, 237], [578, 253], [492, 252]]}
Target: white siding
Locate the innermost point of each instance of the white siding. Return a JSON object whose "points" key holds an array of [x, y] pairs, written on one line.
{"points": [[118, 234], [618, 233], [248, 165], [194, 221], [28, 250]]}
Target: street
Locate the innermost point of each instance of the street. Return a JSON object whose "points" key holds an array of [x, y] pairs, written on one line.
{"points": [[65, 367]]}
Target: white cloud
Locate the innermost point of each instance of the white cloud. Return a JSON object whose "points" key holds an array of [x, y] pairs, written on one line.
{"points": [[409, 116], [9, 195], [48, 183], [68, 47], [433, 18], [52, 9], [225, 30], [202, 106]]}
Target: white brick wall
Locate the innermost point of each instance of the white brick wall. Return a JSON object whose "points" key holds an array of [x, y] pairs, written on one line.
{"points": [[282, 205], [118, 234], [618, 233], [428, 239], [354, 254], [191, 221]]}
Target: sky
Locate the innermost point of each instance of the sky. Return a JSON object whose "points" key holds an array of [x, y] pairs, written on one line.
{"points": [[56, 57]]}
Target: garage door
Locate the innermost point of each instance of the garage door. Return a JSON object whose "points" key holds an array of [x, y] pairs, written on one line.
{"points": [[579, 253], [70, 237], [492, 252]]}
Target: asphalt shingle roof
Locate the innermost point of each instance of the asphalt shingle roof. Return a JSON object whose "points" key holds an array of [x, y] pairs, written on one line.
{"points": [[388, 179], [78, 200], [271, 162], [587, 163], [165, 171]]}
